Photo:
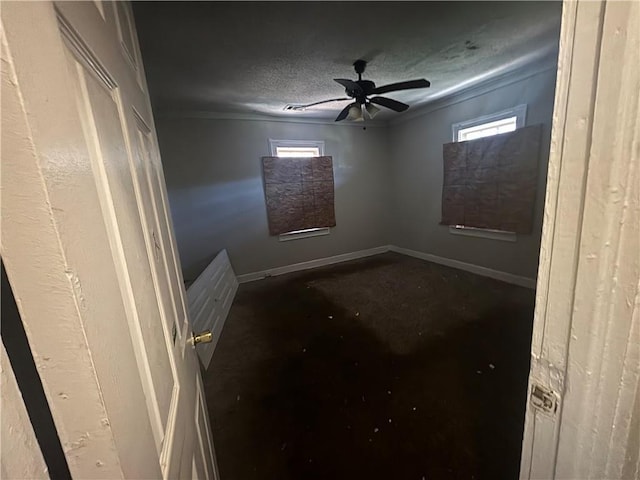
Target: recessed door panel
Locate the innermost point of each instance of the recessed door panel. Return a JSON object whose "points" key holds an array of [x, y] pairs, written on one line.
{"points": [[98, 104], [155, 181]]}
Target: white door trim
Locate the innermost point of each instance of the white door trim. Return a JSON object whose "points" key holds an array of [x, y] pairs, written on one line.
{"points": [[587, 300]]}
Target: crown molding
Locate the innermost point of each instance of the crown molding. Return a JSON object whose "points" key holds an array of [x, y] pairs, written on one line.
{"points": [[256, 117]]}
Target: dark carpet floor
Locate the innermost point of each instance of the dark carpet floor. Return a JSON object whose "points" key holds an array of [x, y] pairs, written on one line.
{"points": [[382, 368]]}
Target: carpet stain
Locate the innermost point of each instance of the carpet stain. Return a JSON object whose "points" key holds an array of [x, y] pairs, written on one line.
{"points": [[386, 367]]}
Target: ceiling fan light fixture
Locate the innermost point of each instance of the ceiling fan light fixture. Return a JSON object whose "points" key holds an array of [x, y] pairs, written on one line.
{"points": [[372, 110], [355, 114]]}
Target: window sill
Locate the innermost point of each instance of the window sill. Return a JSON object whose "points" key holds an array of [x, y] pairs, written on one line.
{"points": [[299, 234], [483, 233]]}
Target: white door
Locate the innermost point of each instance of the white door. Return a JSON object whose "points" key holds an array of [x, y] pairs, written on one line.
{"points": [[209, 299], [89, 248]]}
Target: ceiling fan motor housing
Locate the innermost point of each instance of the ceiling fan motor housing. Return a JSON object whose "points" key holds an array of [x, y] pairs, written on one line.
{"points": [[366, 87]]}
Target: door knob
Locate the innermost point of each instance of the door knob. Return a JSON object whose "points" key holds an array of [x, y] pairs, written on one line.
{"points": [[204, 337]]}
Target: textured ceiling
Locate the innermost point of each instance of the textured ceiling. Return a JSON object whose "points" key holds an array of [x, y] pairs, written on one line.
{"points": [[256, 57]]}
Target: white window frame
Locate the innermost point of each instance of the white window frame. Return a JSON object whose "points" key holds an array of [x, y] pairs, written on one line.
{"points": [[319, 144], [520, 112], [306, 233], [483, 233], [274, 144]]}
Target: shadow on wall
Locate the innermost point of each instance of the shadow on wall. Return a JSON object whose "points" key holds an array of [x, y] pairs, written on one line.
{"points": [[204, 214], [218, 201], [234, 203]]}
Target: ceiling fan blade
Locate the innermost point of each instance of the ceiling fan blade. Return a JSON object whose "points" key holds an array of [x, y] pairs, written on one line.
{"points": [[302, 107], [389, 103], [422, 83], [350, 85], [343, 114]]}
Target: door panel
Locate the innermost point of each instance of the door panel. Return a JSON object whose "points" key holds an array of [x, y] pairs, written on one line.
{"points": [[104, 212], [109, 160], [210, 298], [172, 251], [171, 286]]}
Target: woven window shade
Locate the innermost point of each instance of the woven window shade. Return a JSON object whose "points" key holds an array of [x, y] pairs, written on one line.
{"points": [[491, 182], [299, 193]]}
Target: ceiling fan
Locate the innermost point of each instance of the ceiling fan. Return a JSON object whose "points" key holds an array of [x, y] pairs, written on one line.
{"points": [[361, 90]]}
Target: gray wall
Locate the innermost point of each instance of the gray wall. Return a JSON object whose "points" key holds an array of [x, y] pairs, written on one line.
{"points": [[388, 185], [416, 151], [214, 180]]}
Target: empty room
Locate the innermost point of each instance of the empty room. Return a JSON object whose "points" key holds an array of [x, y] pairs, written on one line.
{"points": [[320, 240], [383, 320]]}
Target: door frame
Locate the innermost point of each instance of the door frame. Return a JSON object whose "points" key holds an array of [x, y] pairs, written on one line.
{"points": [[588, 255], [594, 41], [21, 455]]}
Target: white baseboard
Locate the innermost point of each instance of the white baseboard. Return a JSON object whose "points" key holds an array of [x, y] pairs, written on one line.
{"points": [[345, 257], [320, 262], [468, 267]]}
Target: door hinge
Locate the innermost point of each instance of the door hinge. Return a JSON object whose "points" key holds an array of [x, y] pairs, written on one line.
{"points": [[544, 399]]}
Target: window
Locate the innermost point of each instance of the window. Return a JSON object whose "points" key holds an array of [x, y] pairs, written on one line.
{"points": [[297, 152], [312, 193], [494, 124], [487, 129], [296, 148], [500, 122]]}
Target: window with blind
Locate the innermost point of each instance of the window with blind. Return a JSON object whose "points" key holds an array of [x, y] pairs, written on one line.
{"points": [[299, 189], [490, 183]]}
